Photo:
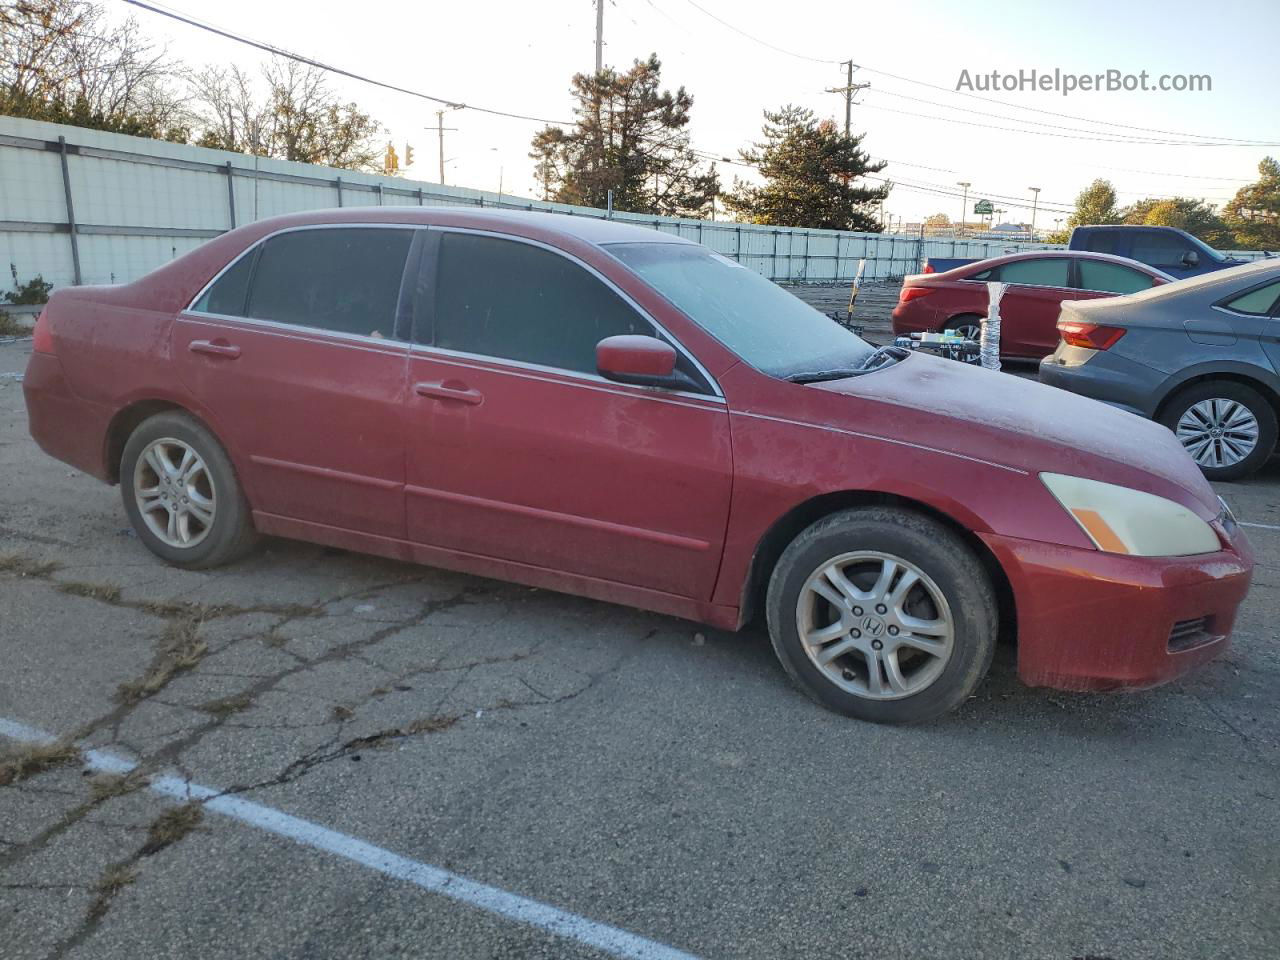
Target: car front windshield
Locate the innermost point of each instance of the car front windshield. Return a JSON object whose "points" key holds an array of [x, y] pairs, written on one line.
{"points": [[771, 329]]}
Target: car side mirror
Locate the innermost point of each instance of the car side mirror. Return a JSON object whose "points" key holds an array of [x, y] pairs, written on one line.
{"points": [[1191, 259], [640, 361]]}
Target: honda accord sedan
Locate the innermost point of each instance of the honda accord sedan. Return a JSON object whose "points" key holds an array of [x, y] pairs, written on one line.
{"points": [[1039, 282], [613, 412], [1199, 356]]}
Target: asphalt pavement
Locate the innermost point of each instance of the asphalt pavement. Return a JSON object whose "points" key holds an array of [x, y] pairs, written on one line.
{"points": [[317, 754]]}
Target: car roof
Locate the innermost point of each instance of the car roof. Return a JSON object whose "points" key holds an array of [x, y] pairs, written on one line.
{"points": [[990, 262], [588, 229]]}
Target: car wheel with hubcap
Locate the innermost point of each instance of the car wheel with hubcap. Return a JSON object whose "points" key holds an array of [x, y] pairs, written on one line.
{"points": [[182, 495], [1229, 429], [882, 614]]}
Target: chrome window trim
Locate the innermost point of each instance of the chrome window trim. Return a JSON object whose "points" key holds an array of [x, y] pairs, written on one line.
{"points": [[625, 297], [191, 306], [592, 380]]}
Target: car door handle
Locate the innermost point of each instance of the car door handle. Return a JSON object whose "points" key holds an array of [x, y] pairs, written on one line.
{"points": [[228, 350], [448, 390]]}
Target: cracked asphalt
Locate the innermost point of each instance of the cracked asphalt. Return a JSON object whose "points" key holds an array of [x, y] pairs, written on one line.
{"points": [[637, 770]]}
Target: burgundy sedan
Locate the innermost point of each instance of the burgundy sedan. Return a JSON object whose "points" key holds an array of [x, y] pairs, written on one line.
{"points": [[604, 410], [1038, 283]]}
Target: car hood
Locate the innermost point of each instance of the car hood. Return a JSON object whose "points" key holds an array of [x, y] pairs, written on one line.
{"points": [[1016, 422]]}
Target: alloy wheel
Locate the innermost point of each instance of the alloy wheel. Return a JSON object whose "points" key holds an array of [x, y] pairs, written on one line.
{"points": [[174, 493], [875, 625], [1218, 432]]}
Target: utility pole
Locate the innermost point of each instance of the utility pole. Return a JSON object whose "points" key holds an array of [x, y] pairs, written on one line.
{"points": [[848, 91], [599, 35], [964, 203], [440, 128], [1035, 199]]}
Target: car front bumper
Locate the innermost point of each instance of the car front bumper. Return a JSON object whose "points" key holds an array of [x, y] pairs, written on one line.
{"points": [[1089, 620]]}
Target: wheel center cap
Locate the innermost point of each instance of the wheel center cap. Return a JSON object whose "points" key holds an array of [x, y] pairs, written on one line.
{"points": [[873, 626], [1216, 432]]}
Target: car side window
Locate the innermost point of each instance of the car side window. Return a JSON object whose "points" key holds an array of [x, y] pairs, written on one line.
{"points": [[515, 301], [1111, 277], [342, 279], [229, 292], [1259, 302], [1159, 249], [1102, 241], [1040, 272]]}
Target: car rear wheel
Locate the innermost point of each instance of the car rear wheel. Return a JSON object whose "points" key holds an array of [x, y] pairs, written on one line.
{"points": [[182, 495], [882, 614], [968, 326], [1229, 429]]}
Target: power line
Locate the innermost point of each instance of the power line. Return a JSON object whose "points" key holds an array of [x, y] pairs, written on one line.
{"points": [[973, 96], [280, 52]]}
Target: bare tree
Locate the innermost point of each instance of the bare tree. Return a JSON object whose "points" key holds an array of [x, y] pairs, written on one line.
{"points": [[63, 60], [290, 113]]}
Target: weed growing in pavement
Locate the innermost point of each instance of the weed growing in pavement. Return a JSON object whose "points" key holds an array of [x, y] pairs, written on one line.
{"points": [[33, 758]]}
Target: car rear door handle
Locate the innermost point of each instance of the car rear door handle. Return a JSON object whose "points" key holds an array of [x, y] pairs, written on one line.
{"points": [[228, 350], [448, 390]]}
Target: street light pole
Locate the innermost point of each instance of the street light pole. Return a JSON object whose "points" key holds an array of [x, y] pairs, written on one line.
{"points": [[964, 203], [1035, 199]]}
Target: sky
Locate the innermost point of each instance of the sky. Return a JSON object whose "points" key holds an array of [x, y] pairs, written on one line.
{"points": [[739, 57]]}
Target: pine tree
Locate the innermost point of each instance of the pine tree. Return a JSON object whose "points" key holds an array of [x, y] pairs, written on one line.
{"points": [[811, 173]]}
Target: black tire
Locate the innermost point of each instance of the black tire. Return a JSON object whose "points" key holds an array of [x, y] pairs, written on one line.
{"points": [[935, 551], [230, 534], [1257, 405]]}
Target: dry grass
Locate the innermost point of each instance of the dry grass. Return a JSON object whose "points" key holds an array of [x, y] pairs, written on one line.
{"points": [[226, 706], [180, 651], [431, 724], [30, 759], [170, 827], [114, 879], [25, 566], [107, 785], [105, 592]]}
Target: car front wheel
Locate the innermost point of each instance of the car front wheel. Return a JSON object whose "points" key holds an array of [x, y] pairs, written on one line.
{"points": [[882, 614], [1228, 428], [182, 495]]}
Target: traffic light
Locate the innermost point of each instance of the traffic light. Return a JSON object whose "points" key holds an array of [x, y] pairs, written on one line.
{"points": [[390, 162], [408, 155]]}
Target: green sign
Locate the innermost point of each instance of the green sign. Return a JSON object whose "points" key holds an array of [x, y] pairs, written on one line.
{"points": [[982, 208]]}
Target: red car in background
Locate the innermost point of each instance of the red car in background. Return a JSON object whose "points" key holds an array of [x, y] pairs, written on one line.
{"points": [[1038, 283], [606, 410]]}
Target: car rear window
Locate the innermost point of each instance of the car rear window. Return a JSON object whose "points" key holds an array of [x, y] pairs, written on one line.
{"points": [[1041, 272], [1111, 277], [1259, 301], [343, 279]]}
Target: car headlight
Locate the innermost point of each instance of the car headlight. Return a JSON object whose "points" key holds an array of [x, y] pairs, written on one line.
{"points": [[1122, 520]]}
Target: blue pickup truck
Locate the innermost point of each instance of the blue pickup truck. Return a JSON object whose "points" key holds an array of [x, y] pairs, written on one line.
{"points": [[1174, 251]]}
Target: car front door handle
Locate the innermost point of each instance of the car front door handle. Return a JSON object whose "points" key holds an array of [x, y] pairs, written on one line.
{"points": [[214, 349], [448, 390]]}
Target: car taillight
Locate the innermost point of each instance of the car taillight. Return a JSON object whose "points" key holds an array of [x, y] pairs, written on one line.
{"points": [[1094, 336], [914, 293], [42, 336], [928, 267]]}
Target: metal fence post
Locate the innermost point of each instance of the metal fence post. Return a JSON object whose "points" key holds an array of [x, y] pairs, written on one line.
{"points": [[774, 267], [419, 196], [378, 187], [231, 194], [338, 183], [71, 210], [737, 251]]}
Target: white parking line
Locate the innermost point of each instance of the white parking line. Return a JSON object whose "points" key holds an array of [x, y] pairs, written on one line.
{"points": [[1258, 526], [612, 940]]}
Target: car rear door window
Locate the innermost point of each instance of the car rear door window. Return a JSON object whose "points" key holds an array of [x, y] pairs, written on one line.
{"points": [[1159, 249], [1040, 272], [229, 293], [344, 279], [1103, 241], [1260, 301], [1111, 277], [515, 301]]}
